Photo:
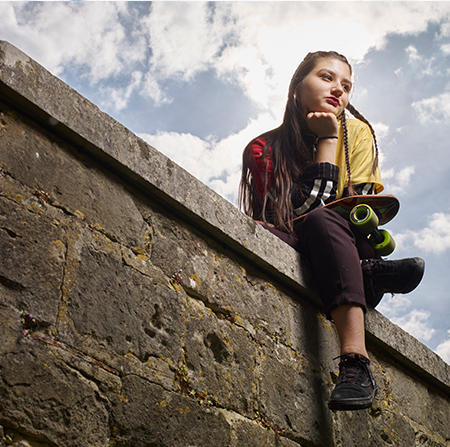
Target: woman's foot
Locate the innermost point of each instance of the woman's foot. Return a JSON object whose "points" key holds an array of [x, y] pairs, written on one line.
{"points": [[399, 276], [356, 387]]}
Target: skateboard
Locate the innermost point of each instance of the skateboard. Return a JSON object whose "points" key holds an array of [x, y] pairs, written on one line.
{"points": [[366, 213]]}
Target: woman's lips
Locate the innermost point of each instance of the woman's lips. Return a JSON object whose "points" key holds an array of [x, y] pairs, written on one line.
{"points": [[333, 101]]}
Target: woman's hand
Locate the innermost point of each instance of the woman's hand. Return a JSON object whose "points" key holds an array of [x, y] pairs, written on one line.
{"points": [[324, 124]]}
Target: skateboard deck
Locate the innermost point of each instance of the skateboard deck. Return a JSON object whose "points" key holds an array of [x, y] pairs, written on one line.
{"points": [[385, 206], [366, 213]]}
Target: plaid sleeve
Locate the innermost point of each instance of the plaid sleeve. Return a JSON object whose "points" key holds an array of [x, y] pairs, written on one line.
{"points": [[317, 187], [362, 189]]}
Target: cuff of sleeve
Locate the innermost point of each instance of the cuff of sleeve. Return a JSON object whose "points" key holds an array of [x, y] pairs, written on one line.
{"points": [[322, 170]]}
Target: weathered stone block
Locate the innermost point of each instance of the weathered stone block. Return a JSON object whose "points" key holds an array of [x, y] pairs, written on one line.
{"points": [[149, 416], [119, 306], [33, 256], [44, 399], [294, 393], [223, 359]]}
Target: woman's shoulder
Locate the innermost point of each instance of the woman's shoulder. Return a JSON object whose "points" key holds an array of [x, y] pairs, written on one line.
{"points": [[256, 147], [255, 157], [258, 142]]}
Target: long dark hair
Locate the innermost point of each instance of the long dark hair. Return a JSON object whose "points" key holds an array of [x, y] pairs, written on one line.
{"points": [[291, 150]]}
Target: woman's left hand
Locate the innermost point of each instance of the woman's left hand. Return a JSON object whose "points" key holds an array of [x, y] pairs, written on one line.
{"points": [[323, 124]]}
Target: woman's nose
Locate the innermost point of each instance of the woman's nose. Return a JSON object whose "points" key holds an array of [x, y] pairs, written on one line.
{"points": [[337, 90]]}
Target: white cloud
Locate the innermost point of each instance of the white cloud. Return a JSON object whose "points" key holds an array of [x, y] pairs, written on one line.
{"points": [[61, 33], [118, 98], [413, 54], [381, 130], [397, 182], [265, 57], [153, 90], [243, 43], [392, 305], [254, 44], [416, 323], [435, 109], [435, 238], [421, 65], [445, 30], [443, 350], [184, 38], [399, 71]]}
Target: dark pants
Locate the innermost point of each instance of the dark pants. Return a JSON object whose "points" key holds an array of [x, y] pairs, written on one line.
{"points": [[334, 249]]}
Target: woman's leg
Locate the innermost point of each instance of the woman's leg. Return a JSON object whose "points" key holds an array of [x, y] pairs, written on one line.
{"points": [[334, 251], [349, 321]]}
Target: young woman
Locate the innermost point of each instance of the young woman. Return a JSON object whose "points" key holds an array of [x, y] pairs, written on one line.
{"points": [[317, 155]]}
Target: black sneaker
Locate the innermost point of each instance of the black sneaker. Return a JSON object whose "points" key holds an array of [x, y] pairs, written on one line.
{"points": [[400, 276], [356, 388]]}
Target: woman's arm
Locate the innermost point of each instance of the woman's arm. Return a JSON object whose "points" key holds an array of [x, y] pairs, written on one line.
{"points": [[361, 189], [316, 188], [325, 126]]}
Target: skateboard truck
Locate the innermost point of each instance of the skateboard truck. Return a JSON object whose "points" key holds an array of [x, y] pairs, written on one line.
{"points": [[366, 221]]}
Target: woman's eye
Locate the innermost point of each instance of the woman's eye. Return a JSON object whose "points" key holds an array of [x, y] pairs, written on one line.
{"points": [[346, 87], [327, 77]]}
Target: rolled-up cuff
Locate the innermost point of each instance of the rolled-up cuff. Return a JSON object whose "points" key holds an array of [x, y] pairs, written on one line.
{"points": [[321, 170], [343, 299]]}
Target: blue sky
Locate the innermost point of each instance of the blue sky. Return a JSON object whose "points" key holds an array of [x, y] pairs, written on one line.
{"points": [[198, 80]]}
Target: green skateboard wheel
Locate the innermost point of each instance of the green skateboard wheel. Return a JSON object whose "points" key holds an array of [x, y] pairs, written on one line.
{"points": [[364, 219], [386, 246]]}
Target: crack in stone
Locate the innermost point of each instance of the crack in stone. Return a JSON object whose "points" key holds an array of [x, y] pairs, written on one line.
{"points": [[57, 344], [10, 284]]}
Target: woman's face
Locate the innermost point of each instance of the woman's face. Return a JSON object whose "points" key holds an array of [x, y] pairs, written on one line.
{"points": [[327, 87]]}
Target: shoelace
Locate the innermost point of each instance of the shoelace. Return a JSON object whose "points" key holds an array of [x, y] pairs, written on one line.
{"points": [[376, 268], [352, 370], [352, 374]]}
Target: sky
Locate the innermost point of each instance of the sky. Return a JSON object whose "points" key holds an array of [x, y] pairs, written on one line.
{"points": [[199, 80]]}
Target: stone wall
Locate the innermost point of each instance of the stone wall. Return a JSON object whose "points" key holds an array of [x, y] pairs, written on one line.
{"points": [[139, 308]]}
